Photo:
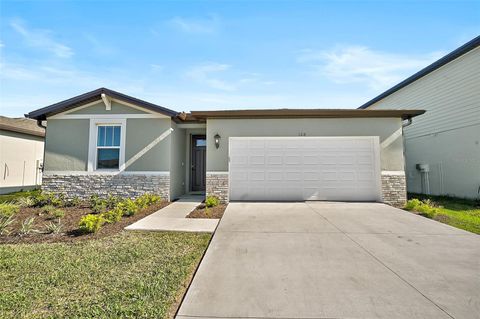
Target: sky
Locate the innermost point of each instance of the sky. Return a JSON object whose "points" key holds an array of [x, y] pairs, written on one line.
{"points": [[207, 55]]}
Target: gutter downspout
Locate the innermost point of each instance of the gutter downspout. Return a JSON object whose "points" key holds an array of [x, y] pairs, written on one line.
{"points": [[408, 123]]}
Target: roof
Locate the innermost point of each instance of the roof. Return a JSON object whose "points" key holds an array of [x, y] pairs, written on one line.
{"points": [[306, 113], [41, 114], [21, 125], [467, 47]]}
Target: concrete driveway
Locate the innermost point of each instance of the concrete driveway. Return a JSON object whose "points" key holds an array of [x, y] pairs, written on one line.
{"points": [[335, 260]]}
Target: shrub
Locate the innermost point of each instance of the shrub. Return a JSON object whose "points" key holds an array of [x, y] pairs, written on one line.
{"points": [[146, 200], [212, 201], [128, 207], [8, 209], [25, 201], [113, 215], [47, 209], [27, 226], [99, 207], [58, 213], [91, 223], [74, 201], [53, 227], [4, 222], [412, 204], [112, 201], [44, 199]]}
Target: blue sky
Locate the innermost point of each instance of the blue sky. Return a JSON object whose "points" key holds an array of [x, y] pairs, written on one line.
{"points": [[222, 54]]}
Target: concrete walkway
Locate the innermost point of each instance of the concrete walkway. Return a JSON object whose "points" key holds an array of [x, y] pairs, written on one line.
{"points": [[334, 260], [172, 218]]}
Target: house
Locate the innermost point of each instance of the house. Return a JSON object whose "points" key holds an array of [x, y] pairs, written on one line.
{"points": [[106, 142], [443, 146], [21, 154]]}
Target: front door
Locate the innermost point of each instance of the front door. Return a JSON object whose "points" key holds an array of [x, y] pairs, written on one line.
{"points": [[199, 148]]}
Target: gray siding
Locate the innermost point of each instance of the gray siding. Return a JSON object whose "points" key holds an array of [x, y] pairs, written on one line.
{"points": [[140, 133], [451, 96], [66, 145], [177, 162], [447, 136], [217, 159]]}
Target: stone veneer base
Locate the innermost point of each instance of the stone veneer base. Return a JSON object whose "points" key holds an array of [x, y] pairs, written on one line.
{"points": [[217, 185], [394, 188], [124, 185]]}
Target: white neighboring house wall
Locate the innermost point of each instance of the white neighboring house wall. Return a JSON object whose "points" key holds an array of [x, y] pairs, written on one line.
{"points": [[447, 136], [21, 156]]}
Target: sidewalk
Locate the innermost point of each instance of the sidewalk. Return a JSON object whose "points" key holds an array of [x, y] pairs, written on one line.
{"points": [[172, 218]]}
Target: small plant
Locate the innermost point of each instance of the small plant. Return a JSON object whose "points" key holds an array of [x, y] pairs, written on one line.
{"points": [[5, 221], [27, 226], [53, 227], [128, 207], [74, 201], [91, 223], [99, 207], [58, 213], [212, 201], [44, 199], [47, 209], [412, 204], [25, 201], [8, 209], [112, 201], [113, 215]]}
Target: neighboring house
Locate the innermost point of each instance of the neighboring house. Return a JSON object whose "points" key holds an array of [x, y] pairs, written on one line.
{"points": [[106, 142], [21, 154], [443, 146]]}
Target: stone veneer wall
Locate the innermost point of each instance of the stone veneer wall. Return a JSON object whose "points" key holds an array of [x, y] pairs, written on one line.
{"points": [[217, 185], [394, 188], [124, 185]]}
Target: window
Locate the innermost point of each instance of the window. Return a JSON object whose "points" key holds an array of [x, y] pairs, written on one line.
{"points": [[108, 146]]}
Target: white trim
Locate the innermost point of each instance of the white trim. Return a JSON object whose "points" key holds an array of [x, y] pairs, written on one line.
{"points": [[92, 142], [192, 125], [389, 140], [218, 173], [399, 173], [106, 116], [81, 173], [107, 102], [66, 115]]}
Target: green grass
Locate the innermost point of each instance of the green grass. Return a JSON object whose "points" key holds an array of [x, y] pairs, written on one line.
{"points": [[12, 196], [457, 212], [130, 275]]}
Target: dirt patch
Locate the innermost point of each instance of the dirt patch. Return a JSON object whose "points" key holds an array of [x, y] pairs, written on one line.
{"points": [[69, 231], [441, 218], [201, 211]]}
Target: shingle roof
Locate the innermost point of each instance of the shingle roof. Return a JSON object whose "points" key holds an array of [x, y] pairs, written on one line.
{"points": [[467, 47], [94, 95], [21, 125]]}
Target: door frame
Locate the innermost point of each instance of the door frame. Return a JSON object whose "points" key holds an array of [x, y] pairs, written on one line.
{"points": [[194, 137]]}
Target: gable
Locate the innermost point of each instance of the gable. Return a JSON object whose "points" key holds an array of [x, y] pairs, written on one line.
{"points": [[99, 108]]}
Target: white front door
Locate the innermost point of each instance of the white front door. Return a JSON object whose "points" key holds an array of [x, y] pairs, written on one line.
{"points": [[304, 168]]}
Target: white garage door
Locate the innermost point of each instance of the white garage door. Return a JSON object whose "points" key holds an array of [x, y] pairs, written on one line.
{"points": [[304, 168]]}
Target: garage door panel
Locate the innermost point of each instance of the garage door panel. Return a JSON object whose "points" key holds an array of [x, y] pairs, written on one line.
{"points": [[301, 168]]}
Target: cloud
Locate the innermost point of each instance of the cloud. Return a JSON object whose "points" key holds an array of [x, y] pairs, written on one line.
{"points": [[359, 64], [41, 39], [204, 74], [197, 26]]}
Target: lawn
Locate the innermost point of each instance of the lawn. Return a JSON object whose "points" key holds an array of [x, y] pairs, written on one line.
{"points": [[457, 212], [128, 275]]}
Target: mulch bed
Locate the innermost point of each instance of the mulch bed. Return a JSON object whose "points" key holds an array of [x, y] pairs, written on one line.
{"points": [[69, 231], [201, 211]]}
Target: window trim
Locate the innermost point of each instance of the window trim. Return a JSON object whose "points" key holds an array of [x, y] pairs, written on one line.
{"points": [[92, 147]]}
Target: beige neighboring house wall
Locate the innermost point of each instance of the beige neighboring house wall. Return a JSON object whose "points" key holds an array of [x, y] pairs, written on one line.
{"points": [[447, 136], [21, 154]]}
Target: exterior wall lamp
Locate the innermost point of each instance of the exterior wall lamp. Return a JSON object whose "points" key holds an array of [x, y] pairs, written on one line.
{"points": [[217, 140]]}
